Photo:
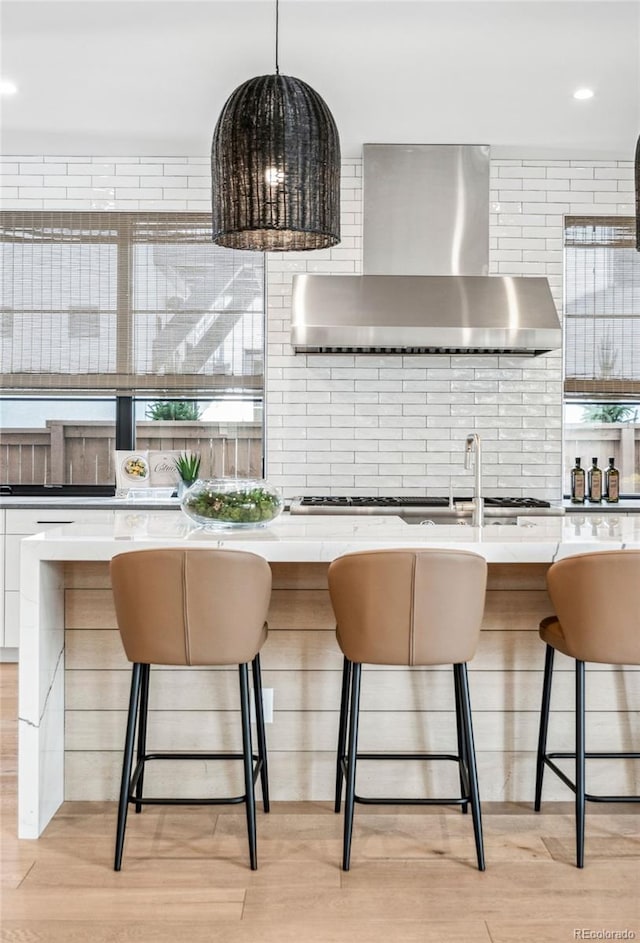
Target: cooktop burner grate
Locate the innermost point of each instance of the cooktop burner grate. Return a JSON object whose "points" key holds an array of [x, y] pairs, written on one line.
{"points": [[355, 502]]}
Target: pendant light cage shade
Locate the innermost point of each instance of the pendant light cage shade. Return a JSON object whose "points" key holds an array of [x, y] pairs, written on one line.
{"points": [[638, 195], [275, 168]]}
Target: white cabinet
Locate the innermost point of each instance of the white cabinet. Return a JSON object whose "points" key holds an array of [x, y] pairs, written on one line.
{"points": [[17, 524]]}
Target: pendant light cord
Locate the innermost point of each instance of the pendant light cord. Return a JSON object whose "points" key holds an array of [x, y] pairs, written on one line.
{"points": [[277, 66]]}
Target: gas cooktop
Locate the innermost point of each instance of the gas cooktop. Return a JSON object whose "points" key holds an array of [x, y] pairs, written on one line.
{"points": [[407, 505]]}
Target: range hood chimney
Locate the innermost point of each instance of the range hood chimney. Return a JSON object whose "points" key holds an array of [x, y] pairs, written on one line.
{"points": [[425, 287]]}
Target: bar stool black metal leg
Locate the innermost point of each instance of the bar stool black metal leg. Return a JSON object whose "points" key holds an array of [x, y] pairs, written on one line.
{"points": [[142, 730], [474, 793], [262, 739], [349, 802], [342, 730], [580, 764], [463, 761], [544, 724], [250, 799], [127, 762]]}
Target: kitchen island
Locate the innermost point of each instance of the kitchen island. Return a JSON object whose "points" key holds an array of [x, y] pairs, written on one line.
{"points": [[74, 677]]}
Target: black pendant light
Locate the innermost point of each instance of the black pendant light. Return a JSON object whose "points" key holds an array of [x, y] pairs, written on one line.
{"points": [[275, 167]]}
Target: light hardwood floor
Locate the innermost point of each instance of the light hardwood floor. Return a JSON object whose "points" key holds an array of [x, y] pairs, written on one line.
{"points": [[413, 880]]}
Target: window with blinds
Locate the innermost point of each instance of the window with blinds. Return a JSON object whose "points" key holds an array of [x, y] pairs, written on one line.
{"points": [[126, 304], [602, 308]]}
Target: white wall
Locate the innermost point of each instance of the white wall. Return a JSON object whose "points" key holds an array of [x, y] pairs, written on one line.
{"points": [[380, 425]]}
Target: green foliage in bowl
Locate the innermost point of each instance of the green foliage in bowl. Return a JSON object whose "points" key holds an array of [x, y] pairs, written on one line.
{"points": [[230, 504]]}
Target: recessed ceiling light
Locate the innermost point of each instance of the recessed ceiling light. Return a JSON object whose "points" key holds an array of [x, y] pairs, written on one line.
{"points": [[7, 87], [582, 94]]}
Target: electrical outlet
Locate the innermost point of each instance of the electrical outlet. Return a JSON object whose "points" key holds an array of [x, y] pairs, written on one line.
{"points": [[267, 706]]}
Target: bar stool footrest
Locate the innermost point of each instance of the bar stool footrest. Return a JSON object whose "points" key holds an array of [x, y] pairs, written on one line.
{"points": [[589, 797], [405, 756], [386, 800], [374, 800], [231, 800]]}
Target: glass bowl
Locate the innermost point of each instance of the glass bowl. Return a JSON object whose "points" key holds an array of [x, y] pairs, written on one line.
{"points": [[232, 502]]}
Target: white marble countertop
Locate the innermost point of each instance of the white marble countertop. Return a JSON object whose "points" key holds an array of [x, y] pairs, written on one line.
{"points": [[86, 502], [322, 538]]}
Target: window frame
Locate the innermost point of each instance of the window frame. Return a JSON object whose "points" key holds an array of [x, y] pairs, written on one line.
{"points": [[124, 386], [608, 232], [127, 231]]}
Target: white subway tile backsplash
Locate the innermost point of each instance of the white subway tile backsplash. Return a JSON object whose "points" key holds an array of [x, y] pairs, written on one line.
{"points": [[507, 255], [42, 193], [571, 173], [138, 193], [610, 198], [593, 163], [549, 184], [375, 408], [478, 409], [8, 179], [588, 209], [329, 483], [375, 432], [87, 193], [381, 423], [113, 180], [440, 418], [379, 386], [498, 233], [595, 185], [29, 167], [521, 268], [623, 171], [194, 194], [315, 430], [517, 171], [521, 219], [520, 243], [551, 205]]}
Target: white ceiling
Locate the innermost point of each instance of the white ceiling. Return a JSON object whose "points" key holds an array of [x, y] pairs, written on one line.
{"points": [[149, 77]]}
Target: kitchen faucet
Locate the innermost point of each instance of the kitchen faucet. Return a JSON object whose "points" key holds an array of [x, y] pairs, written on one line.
{"points": [[473, 454]]}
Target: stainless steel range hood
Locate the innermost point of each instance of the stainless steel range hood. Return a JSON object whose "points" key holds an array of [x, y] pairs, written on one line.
{"points": [[423, 314], [425, 287]]}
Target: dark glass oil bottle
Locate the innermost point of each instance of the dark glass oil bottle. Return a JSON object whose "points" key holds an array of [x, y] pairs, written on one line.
{"points": [[577, 483], [612, 483], [594, 480]]}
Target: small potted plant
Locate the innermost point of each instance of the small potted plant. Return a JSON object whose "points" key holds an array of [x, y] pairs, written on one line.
{"points": [[188, 466]]}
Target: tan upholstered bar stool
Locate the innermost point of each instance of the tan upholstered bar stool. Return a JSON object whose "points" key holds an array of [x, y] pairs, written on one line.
{"points": [[191, 607], [596, 597], [407, 607]]}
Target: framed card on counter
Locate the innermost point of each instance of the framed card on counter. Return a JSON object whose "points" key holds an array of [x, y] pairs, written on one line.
{"points": [[145, 469], [132, 470]]}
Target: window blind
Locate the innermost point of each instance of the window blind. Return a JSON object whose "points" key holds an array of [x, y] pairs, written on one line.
{"points": [[127, 303], [602, 308]]}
